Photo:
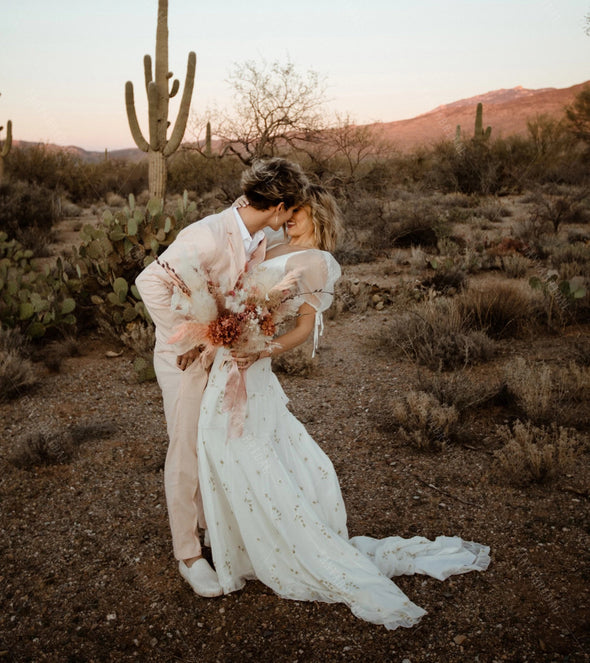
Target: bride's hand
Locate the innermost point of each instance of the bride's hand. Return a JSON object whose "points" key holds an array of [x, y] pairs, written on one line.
{"points": [[242, 201], [244, 361]]}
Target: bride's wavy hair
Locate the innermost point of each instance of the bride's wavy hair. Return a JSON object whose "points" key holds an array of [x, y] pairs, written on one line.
{"points": [[272, 181], [325, 215]]}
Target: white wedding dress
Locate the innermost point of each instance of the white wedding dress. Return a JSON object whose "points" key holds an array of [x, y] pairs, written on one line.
{"points": [[273, 504]]}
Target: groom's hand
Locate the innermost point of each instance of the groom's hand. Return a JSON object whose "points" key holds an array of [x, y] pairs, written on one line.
{"points": [[185, 360]]}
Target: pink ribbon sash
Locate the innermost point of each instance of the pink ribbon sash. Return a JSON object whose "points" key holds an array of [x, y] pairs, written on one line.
{"points": [[235, 400]]}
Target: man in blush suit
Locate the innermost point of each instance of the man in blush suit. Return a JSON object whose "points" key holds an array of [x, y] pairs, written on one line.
{"points": [[223, 244]]}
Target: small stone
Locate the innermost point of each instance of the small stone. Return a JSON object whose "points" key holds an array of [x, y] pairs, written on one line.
{"points": [[460, 639]]}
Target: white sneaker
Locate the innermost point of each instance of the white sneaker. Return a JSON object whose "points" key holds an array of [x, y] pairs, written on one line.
{"points": [[206, 539], [201, 577]]}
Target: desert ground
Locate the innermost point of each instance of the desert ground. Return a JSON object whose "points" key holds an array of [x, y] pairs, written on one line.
{"points": [[88, 572]]}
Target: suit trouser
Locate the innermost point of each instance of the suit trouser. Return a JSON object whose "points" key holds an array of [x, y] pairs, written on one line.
{"points": [[182, 392]]}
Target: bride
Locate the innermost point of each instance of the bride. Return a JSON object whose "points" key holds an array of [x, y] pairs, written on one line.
{"points": [[271, 497]]}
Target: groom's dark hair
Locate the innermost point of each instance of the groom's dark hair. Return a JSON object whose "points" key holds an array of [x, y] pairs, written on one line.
{"points": [[269, 182]]}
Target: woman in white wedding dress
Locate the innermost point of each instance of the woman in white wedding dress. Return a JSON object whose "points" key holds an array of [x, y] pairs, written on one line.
{"points": [[271, 497]]}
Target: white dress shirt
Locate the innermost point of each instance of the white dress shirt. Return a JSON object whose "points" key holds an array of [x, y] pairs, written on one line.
{"points": [[250, 243]]}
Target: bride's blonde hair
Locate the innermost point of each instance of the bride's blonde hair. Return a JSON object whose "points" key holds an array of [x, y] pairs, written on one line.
{"points": [[325, 215]]}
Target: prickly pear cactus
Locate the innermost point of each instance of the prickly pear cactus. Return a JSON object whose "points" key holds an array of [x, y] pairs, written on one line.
{"points": [[115, 251], [33, 300]]}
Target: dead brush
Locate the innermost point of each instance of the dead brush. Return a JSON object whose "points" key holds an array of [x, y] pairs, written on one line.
{"points": [[546, 394], [515, 266], [17, 372], [54, 353], [535, 455], [57, 446], [418, 419], [17, 375], [458, 389], [435, 334]]}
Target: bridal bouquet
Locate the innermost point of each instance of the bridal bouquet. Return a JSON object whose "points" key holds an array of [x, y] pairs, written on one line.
{"points": [[243, 318]]}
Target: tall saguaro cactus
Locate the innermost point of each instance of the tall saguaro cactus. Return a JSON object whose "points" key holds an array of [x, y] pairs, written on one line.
{"points": [[160, 147], [5, 149], [479, 133]]}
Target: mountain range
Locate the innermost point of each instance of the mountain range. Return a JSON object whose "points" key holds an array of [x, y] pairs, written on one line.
{"points": [[506, 111]]}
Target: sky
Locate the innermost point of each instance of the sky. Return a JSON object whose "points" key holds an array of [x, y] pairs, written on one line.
{"points": [[63, 65]]}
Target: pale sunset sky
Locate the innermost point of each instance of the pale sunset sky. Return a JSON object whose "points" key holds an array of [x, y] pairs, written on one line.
{"points": [[63, 65]]}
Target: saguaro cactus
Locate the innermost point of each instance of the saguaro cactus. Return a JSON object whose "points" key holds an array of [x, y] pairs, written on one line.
{"points": [[479, 133], [6, 147], [159, 147], [208, 139]]}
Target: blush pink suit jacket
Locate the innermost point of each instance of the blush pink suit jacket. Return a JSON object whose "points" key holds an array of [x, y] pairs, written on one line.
{"points": [[215, 244]]}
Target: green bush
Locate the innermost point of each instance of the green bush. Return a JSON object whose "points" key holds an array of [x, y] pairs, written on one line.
{"points": [[27, 207]]}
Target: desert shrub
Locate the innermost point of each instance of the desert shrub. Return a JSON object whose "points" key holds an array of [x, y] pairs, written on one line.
{"points": [[458, 389], [27, 207], [570, 253], [535, 455], [472, 168], [561, 206], [17, 372], [367, 223], [56, 447], [563, 301], [436, 335], [349, 252], [421, 421], [493, 210], [191, 171], [501, 310], [417, 223], [515, 266], [447, 279], [544, 394]]}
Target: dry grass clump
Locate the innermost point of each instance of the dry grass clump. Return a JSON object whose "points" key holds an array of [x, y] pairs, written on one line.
{"points": [[17, 372], [545, 394], [53, 354], [56, 447], [114, 199], [435, 334], [459, 389], [515, 266], [421, 421], [493, 210], [501, 310], [535, 455]]}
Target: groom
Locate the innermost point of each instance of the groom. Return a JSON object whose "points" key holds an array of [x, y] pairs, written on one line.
{"points": [[223, 244]]}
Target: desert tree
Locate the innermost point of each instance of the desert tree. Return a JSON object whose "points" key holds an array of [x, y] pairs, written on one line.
{"points": [[275, 106], [343, 150], [578, 115], [160, 147]]}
